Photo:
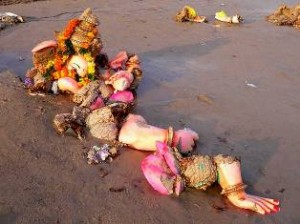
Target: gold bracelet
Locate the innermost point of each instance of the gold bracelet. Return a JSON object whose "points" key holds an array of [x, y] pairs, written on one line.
{"points": [[233, 188], [170, 137]]}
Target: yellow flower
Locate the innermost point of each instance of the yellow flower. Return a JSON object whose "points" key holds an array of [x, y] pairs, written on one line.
{"points": [[91, 68], [71, 74], [65, 58], [91, 35], [56, 75], [191, 12], [88, 57], [50, 64], [84, 81], [60, 37], [91, 64]]}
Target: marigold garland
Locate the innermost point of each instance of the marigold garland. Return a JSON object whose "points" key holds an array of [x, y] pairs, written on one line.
{"points": [[64, 72], [57, 68], [91, 70], [83, 81], [69, 30], [58, 63]]}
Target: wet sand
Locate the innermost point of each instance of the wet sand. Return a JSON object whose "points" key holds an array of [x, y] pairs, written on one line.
{"points": [[44, 177]]}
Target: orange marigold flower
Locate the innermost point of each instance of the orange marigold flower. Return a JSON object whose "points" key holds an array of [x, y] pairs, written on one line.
{"points": [[56, 75], [91, 35], [83, 81], [58, 63], [70, 28], [65, 58], [72, 73], [64, 72], [63, 48], [85, 45], [95, 31]]}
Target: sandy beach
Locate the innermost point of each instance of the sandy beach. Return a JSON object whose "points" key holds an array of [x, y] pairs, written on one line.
{"points": [[250, 73]]}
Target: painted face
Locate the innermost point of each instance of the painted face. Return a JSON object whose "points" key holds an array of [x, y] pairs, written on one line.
{"points": [[78, 63]]}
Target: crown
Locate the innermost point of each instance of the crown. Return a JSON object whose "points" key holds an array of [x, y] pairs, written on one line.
{"points": [[88, 17]]}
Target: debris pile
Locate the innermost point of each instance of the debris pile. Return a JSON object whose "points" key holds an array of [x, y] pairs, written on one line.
{"points": [[285, 15], [223, 17], [9, 18], [188, 13]]}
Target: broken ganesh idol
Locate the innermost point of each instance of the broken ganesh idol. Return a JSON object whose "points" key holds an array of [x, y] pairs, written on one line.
{"points": [[104, 93], [73, 63]]}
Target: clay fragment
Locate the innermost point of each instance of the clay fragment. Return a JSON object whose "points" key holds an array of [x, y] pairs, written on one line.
{"points": [[75, 121], [102, 124]]}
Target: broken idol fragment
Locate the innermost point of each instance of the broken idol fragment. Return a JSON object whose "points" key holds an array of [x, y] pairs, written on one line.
{"points": [[189, 14], [103, 91], [169, 173], [223, 17]]}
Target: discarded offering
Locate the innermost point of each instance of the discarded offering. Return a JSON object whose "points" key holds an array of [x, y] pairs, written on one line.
{"points": [[223, 17], [9, 18], [286, 16], [250, 84], [189, 14], [104, 153]]}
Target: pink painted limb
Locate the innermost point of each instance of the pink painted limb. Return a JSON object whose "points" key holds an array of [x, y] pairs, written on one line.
{"points": [[43, 45], [157, 174], [119, 60], [169, 157], [144, 136], [123, 96], [98, 103], [68, 84], [139, 135], [186, 139]]}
